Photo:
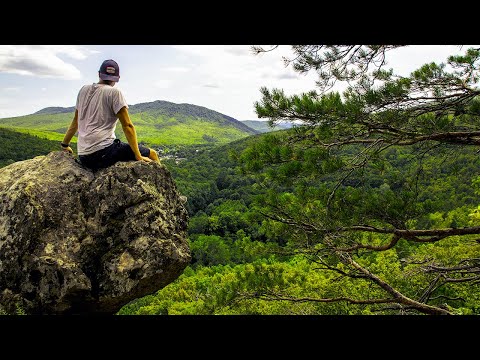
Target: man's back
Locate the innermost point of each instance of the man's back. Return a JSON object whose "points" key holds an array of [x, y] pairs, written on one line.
{"points": [[97, 110], [97, 106]]}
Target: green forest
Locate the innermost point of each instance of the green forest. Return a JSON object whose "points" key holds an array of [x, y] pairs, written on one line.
{"points": [[368, 205], [158, 123]]}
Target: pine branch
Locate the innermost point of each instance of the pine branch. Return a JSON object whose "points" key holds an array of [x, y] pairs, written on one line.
{"points": [[402, 299], [274, 296]]}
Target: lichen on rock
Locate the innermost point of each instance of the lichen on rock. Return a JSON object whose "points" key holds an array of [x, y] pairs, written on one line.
{"points": [[74, 241]]}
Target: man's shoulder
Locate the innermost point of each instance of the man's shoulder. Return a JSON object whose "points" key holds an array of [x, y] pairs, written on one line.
{"points": [[112, 90], [85, 88]]}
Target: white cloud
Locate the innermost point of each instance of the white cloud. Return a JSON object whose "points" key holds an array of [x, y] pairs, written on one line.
{"points": [[238, 65], [8, 113], [9, 108], [42, 60], [239, 51], [162, 84], [75, 52], [286, 74], [405, 60], [240, 74], [179, 69], [14, 89]]}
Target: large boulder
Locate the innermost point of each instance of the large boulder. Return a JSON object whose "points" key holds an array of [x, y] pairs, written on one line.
{"points": [[74, 241]]}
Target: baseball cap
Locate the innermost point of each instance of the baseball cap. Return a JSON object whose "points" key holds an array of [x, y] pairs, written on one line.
{"points": [[109, 70]]}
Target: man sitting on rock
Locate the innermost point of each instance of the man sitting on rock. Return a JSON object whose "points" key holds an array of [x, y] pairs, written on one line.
{"points": [[98, 107]]}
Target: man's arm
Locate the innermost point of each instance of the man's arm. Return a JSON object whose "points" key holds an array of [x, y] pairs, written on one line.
{"points": [[130, 133], [70, 132]]}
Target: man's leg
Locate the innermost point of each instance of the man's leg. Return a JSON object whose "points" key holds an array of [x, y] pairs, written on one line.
{"points": [[123, 152]]}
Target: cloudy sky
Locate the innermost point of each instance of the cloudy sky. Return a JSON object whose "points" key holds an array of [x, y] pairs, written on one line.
{"points": [[225, 78]]}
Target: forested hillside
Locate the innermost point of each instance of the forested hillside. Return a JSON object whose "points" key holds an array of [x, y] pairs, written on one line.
{"points": [[158, 124], [16, 146], [238, 251]]}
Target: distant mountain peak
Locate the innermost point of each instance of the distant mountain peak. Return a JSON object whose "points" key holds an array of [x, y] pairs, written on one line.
{"points": [[55, 110], [262, 126], [158, 122], [170, 109], [167, 108]]}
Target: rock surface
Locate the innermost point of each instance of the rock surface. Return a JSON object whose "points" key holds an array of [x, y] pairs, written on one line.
{"points": [[73, 241]]}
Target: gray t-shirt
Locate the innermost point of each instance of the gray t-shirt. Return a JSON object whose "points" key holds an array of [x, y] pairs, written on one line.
{"points": [[97, 105]]}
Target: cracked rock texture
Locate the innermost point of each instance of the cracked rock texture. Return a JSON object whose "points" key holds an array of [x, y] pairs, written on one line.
{"points": [[74, 241]]}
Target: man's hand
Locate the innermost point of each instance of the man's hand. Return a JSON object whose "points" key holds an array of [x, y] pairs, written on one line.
{"points": [[144, 158], [67, 149]]}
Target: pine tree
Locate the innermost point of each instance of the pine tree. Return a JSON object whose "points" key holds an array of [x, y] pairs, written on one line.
{"points": [[335, 191]]}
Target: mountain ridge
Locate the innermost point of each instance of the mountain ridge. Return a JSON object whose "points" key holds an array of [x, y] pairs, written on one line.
{"points": [[262, 126], [166, 108], [54, 110], [157, 123]]}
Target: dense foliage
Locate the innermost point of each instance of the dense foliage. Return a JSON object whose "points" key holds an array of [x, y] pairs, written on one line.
{"points": [[237, 251], [15, 146], [336, 215], [369, 205]]}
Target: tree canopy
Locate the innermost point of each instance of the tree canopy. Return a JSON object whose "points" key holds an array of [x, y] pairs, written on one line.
{"points": [[350, 203]]}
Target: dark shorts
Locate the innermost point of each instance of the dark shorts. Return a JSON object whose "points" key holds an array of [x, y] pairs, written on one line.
{"points": [[118, 151]]}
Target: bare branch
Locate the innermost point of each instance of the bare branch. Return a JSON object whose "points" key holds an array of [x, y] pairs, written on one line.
{"points": [[411, 234], [402, 299], [276, 296], [466, 279], [258, 49], [390, 245], [447, 297]]}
